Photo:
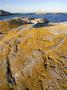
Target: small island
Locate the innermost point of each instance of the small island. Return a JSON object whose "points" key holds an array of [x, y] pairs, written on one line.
{"points": [[5, 13]]}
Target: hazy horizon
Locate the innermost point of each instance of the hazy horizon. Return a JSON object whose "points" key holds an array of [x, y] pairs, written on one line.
{"points": [[42, 6]]}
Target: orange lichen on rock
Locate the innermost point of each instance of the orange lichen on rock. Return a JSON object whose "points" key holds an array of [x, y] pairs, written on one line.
{"points": [[33, 59]]}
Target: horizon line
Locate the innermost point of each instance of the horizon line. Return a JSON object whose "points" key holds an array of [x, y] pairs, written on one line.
{"points": [[34, 11]]}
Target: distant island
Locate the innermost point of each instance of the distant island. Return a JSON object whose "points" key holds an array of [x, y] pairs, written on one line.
{"points": [[5, 13]]}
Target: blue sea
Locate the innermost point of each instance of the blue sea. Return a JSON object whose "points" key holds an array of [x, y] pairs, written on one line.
{"points": [[58, 17]]}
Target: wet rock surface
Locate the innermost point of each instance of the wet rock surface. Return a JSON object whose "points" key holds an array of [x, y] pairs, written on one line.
{"points": [[28, 61]]}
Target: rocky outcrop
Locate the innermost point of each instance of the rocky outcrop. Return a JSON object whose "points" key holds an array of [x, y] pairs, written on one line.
{"points": [[33, 60], [7, 25], [40, 22], [4, 13]]}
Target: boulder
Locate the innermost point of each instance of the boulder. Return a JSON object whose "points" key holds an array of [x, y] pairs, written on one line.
{"points": [[40, 22]]}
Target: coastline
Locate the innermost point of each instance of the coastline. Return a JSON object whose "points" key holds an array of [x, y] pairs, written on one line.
{"points": [[50, 16]]}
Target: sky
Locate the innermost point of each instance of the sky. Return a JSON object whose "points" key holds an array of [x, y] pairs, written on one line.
{"points": [[34, 5]]}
